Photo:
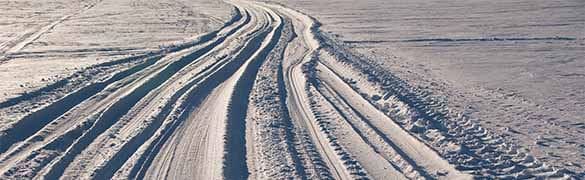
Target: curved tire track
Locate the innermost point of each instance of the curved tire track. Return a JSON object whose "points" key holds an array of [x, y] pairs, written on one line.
{"points": [[199, 111]]}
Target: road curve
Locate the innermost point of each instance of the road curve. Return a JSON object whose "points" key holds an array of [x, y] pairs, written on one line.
{"points": [[266, 96]]}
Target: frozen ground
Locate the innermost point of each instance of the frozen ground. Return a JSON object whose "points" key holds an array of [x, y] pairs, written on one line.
{"points": [[241, 89], [517, 67]]}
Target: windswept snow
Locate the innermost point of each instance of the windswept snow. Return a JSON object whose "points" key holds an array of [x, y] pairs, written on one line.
{"points": [[236, 89]]}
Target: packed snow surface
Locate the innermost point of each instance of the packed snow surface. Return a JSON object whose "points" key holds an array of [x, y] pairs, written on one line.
{"points": [[337, 89]]}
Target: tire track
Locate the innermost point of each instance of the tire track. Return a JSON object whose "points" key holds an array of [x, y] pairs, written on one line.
{"points": [[68, 137], [297, 81], [235, 161], [463, 143], [372, 137], [313, 80], [195, 121], [199, 111], [36, 120], [411, 155], [122, 106], [205, 90], [268, 121], [156, 106]]}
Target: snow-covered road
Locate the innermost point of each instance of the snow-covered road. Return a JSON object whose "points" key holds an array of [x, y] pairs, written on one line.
{"points": [[266, 96]]}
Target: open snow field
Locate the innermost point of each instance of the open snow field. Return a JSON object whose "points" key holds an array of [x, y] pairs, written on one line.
{"points": [[339, 89]]}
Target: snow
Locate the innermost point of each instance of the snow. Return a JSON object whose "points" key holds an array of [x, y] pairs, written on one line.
{"points": [[515, 67], [78, 34], [339, 89]]}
